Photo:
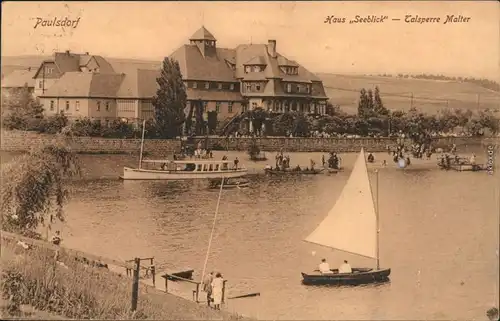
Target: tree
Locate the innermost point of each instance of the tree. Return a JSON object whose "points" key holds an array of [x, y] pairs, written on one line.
{"points": [[34, 188], [364, 104], [21, 110], [378, 105], [212, 121], [300, 125], [170, 100], [257, 117]]}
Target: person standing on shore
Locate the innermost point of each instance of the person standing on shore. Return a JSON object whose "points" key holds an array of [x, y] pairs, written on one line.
{"points": [[207, 286], [217, 287]]}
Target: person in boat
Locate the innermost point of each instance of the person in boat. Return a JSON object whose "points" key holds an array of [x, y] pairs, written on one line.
{"points": [[323, 160], [298, 169], [56, 238], [408, 161], [207, 286], [224, 157], [472, 159], [453, 149], [217, 287], [345, 267], [311, 161], [236, 161], [371, 158], [324, 267]]}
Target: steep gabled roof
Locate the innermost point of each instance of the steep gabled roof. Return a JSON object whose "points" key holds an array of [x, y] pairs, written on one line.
{"points": [[257, 60], [202, 34], [78, 84], [211, 68], [19, 78]]}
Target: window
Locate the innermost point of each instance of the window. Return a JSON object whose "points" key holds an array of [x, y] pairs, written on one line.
{"points": [[308, 89], [207, 85], [195, 85], [107, 122], [219, 86], [205, 104], [256, 68], [77, 105], [52, 105], [248, 69], [230, 107], [257, 87], [49, 70], [244, 108], [289, 88], [254, 105], [98, 106], [40, 84], [298, 88], [67, 105], [107, 106], [217, 107], [248, 87], [231, 87]]}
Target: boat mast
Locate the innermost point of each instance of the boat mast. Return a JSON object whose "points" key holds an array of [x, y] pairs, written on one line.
{"points": [[377, 224], [142, 142]]}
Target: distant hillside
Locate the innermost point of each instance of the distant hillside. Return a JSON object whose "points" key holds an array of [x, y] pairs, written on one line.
{"points": [[428, 95]]}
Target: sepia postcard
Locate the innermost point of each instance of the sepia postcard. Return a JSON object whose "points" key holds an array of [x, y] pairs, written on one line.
{"points": [[260, 160]]}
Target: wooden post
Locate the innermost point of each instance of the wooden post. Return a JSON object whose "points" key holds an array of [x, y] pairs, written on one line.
{"points": [[135, 284], [197, 292], [223, 290], [153, 273], [166, 284]]}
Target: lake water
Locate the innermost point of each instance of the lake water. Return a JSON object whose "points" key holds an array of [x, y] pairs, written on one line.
{"points": [[439, 234]]}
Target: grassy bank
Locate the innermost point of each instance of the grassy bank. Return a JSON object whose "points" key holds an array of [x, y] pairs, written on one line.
{"points": [[33, 278]]}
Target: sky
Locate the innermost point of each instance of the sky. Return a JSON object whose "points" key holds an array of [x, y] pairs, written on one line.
{"points": [[153, 30]]}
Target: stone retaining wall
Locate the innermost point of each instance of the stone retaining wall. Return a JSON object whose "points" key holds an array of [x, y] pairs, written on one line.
{"points": [[23, 141], [18, 141]]}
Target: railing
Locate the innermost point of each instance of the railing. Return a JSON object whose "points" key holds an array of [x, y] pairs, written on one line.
{"points": [[196, 291]]}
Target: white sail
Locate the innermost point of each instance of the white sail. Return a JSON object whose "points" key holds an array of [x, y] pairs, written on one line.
{"points": [[351, 225]]}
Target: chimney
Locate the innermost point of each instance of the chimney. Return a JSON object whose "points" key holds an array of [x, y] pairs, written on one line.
{"points": [[271, 48], [67, 52], [86, 53], [29, 68]]}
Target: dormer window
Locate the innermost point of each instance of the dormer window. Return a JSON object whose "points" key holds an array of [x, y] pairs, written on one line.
{"points": [[195, 85], [257, 87], [207, 85], [231, 87], [248, 69], [308, 89], [248, 87], [289, 88], [219, 86]]}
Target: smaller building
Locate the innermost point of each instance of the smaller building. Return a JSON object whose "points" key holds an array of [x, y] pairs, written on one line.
{"points": [[50, 71], [17, 80]]}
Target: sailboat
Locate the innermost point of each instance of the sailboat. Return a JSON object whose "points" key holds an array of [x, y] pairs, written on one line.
{"points": [[351, 226]]}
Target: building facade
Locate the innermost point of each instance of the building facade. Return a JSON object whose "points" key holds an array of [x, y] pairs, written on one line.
{"points": [[250, 76], [227, 81]]}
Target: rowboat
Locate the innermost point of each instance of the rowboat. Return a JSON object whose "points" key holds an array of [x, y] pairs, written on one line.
{"points": [[351, 226], [292, 172], [229, 184], [180, 170], [463, 167]]}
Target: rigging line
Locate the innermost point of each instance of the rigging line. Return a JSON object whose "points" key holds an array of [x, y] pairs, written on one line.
{"points": [[213, 229]]}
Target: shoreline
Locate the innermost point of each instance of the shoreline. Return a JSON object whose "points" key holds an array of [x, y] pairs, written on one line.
{"points": [[153, 303], [20, 141]]}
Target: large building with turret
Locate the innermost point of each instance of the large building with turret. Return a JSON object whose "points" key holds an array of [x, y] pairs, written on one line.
{"points": [[228, 81]]}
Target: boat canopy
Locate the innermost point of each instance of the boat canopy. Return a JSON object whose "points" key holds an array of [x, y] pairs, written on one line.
{"points": [[192, 161]]}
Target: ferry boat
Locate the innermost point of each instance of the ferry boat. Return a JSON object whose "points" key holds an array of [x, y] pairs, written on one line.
{"points": [[181, 170]]}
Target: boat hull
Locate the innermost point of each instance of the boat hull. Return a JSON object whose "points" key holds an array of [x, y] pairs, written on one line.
{"points": [[464, 167], [292, 172], [145, 174], [231, 186], [358, 277]]}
